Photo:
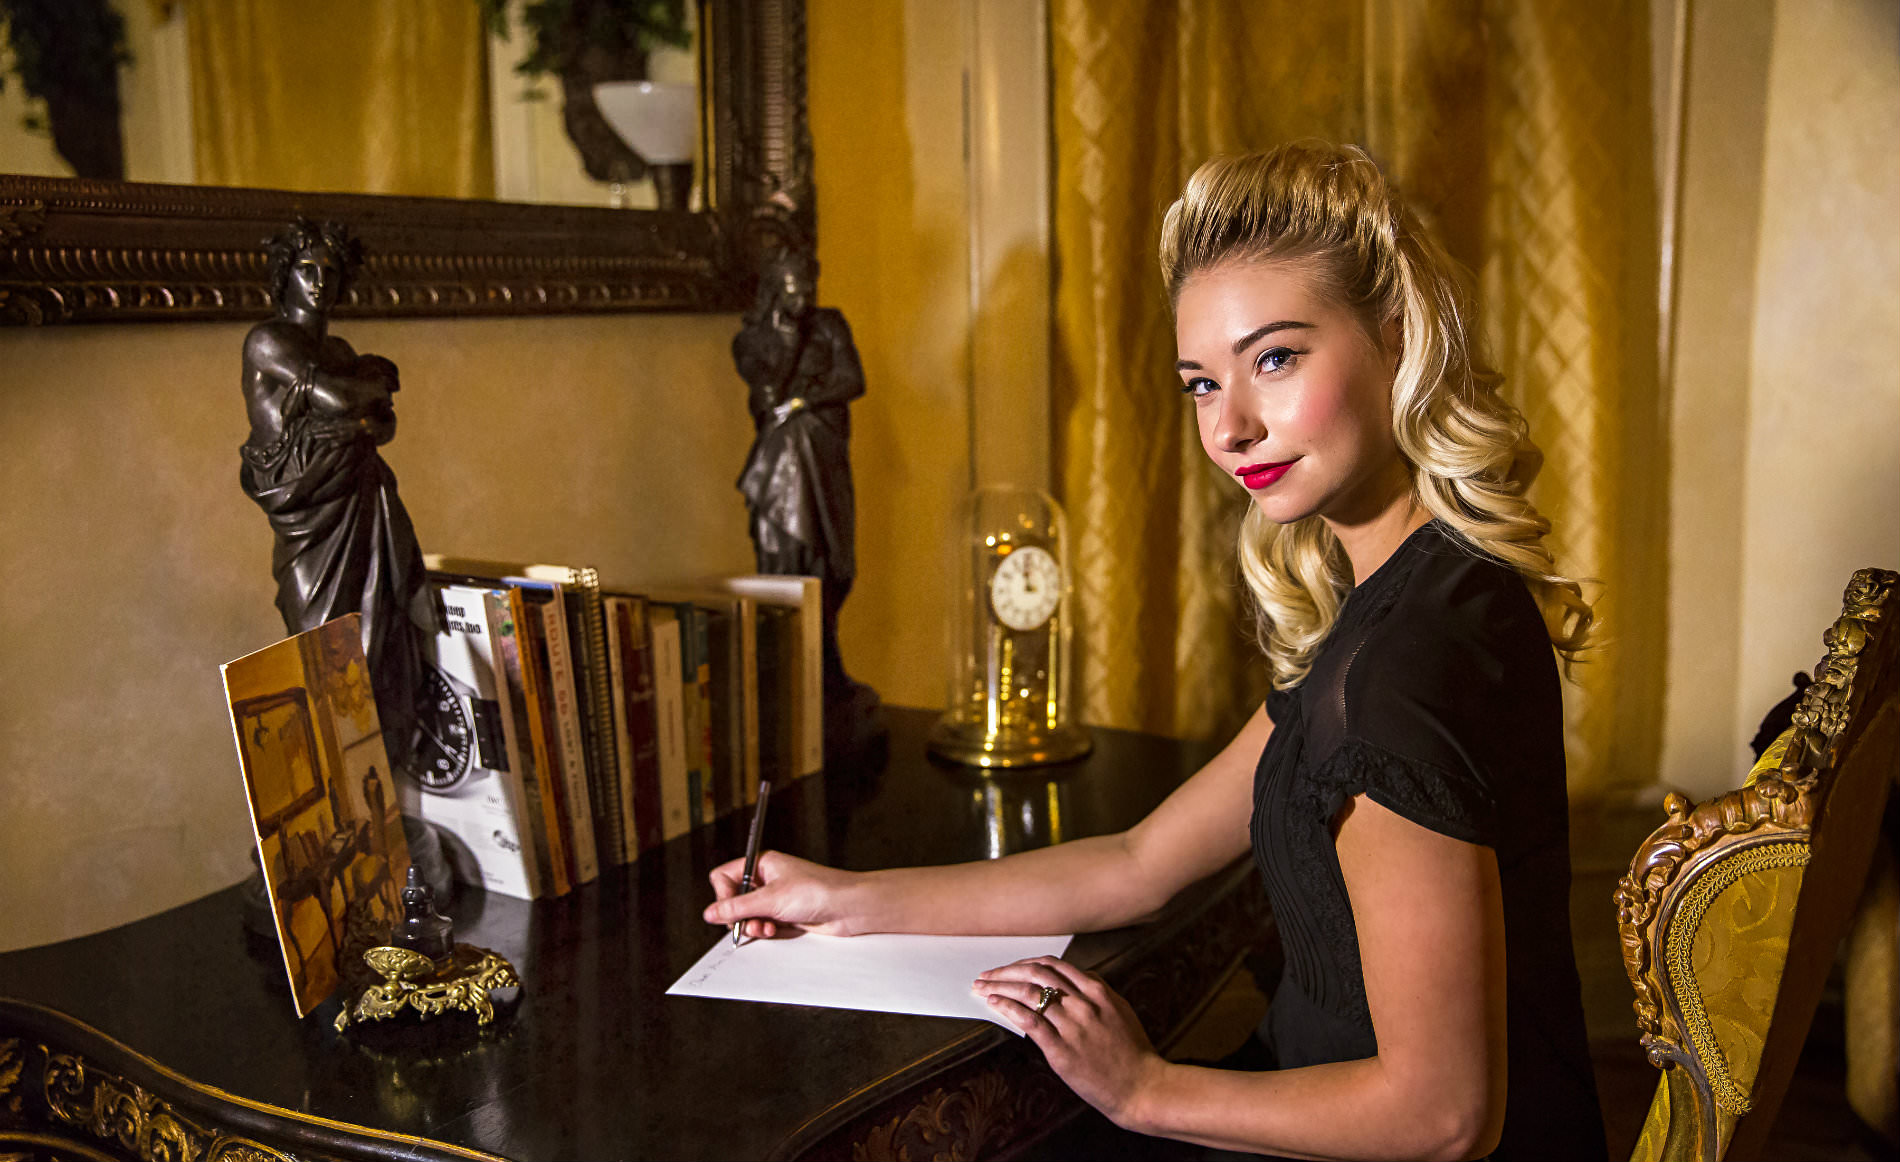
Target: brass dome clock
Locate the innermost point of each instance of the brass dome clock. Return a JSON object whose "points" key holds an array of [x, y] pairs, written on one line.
{"points": [[1009, 687]]}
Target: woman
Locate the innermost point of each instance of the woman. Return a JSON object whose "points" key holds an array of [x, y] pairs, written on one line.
{"points": [[1402, 790]]}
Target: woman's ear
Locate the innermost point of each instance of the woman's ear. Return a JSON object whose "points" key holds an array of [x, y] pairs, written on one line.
{"points": [[1392, 342]]}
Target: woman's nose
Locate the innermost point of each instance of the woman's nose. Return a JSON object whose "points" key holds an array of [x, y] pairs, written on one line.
{"points": [[1236, 429]]}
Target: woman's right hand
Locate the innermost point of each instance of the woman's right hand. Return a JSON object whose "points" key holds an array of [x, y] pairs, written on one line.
{"points": [[789, 896]]}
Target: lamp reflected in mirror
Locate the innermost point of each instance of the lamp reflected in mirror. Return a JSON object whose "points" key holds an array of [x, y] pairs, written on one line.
{"points": [[658, 120]]}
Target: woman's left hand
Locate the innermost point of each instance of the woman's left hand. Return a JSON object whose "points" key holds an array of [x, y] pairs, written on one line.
{"points": [[1088, 1033]]}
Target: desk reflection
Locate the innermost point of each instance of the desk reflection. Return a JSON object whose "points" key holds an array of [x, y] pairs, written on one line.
{"points": [[1017, 813]]}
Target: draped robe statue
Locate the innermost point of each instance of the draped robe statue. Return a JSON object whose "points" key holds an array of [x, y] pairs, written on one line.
{"points": [[318, 413], [802, 371]]}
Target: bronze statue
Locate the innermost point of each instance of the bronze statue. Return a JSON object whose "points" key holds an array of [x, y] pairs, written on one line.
{"points": [[318, 412], [802, 370]]}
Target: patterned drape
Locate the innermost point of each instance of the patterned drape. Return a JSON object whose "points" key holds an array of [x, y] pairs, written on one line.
{"points": [[359, 96], [1523, 132]]}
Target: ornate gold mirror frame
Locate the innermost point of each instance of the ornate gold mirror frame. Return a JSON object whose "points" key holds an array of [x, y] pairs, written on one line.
{"points": [[75, 251]]}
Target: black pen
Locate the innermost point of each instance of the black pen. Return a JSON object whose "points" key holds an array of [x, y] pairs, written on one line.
{"points": [[752, 848]]}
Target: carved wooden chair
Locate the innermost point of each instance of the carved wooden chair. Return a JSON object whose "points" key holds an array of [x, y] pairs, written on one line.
{"points": [[1733, 909]]}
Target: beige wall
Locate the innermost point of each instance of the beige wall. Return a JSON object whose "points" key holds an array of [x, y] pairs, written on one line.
{"points": [[1823, 490], [1786, 406]]}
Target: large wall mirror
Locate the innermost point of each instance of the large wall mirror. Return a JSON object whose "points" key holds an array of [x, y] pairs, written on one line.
{"points": [[496, 156]]}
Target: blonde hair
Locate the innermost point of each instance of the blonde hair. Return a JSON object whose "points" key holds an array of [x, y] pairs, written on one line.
{"points": [[1330, 210]]}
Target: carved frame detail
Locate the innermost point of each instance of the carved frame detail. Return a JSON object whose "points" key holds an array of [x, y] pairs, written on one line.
{"points": [[68, 1091], [87, 251]]}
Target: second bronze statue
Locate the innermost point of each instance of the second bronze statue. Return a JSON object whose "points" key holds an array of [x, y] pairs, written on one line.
{"points": [[802, 372]]}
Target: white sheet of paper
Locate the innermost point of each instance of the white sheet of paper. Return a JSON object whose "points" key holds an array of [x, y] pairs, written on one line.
{"points": [[881, 972]]}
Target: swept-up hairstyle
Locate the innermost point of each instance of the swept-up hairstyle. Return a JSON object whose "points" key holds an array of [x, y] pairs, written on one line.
{"points": [[1329, 210], [301, 235]]}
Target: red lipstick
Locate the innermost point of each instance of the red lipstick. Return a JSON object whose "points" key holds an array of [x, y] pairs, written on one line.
{"points": [[1258, 476]]}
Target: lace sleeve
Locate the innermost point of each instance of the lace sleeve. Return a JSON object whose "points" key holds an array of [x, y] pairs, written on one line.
{"points": [[1457, 803]]}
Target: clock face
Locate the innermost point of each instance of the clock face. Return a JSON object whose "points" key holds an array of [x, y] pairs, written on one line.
{"points": [[1025, 588], [445, 737]]}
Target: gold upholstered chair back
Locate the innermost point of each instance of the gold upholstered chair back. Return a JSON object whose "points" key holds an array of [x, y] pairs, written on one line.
{"points": [[1732, 910]]}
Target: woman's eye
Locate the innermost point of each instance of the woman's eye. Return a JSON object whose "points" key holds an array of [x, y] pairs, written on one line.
{"points": [[1199, 387], [1275, 359]]}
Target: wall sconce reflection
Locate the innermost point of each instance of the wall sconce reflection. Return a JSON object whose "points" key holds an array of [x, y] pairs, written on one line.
{"points": [[1020, 814]]}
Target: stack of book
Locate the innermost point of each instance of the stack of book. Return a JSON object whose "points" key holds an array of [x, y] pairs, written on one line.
{"points": [[606, 720]]}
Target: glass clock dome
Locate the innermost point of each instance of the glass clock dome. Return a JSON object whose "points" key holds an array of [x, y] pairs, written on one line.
{"points": [[1009, 703]]}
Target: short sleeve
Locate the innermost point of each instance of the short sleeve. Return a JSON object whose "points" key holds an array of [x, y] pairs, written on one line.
{"points": [[1460, 804], [1436, 700]]}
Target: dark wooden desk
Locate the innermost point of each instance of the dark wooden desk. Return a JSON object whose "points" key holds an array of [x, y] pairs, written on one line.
{"points": [[594, 1061]]}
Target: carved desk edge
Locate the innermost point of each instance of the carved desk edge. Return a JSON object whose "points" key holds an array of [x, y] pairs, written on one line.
{"points": [[76, 250], [990, 1093], [1779, 804], [67, 1089]]}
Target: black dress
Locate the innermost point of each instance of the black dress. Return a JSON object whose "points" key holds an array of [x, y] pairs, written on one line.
{"points": [[1436, 696]]}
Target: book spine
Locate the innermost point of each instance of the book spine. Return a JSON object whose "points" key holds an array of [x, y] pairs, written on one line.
{"points": [[535, 676], [529, 749], [618, 663], [812, 678], [670, 715], [696, 780], [748, 615], [775, 695], [643, 781], [514, 745], [702, 688], [722, 711], [599, 746], [603, 762], [580, 805]]}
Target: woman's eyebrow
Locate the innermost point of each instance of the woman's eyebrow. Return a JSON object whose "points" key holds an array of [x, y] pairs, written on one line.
{"points": [[1249, 339], [1261, 332]]}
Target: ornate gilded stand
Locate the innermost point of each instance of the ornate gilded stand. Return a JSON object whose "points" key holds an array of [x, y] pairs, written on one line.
{"points": [[413, 981]]}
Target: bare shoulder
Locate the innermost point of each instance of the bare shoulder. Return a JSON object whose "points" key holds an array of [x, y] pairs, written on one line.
{"points": [[276, 337]]}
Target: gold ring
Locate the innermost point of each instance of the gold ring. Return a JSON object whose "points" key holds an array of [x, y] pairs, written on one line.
{"points": [[1048, 994]]}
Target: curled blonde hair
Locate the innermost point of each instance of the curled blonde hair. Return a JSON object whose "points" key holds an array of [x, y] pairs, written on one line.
{"points": [[1329, 209]]}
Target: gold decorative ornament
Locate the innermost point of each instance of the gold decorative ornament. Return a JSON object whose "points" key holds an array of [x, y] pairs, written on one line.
{"points": [[113, 1109], [413, 981], [1009, 703], [1705, 848], [12, 1061]]}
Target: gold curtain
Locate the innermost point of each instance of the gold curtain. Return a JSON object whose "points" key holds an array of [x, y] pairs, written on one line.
{"points": [[358, 96], [1522, 131]]}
